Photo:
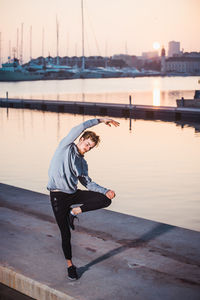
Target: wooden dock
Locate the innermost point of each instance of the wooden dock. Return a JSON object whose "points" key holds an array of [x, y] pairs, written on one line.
{"points": [[147, 112]]}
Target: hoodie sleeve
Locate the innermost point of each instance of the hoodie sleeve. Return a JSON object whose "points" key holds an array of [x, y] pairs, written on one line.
{"points": [[86, 181], [75, 132]]}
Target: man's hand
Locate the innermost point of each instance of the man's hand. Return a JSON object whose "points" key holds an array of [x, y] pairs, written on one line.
{"points": [[110, 194], [109, 122]]}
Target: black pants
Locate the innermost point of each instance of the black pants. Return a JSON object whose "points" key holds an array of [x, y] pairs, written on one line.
{"points": [[61, 203]]}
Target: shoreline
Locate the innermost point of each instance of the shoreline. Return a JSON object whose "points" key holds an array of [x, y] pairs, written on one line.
{"points": [[125, 77]]}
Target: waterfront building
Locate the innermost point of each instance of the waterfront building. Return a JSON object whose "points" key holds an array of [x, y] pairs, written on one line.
{"points": [[130, 60], [173, 48], [76, 61], [150, 55], [149, 61], [185, 63]]}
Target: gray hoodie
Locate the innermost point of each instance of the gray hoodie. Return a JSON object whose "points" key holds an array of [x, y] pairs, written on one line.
{"points": [[68, 165]]}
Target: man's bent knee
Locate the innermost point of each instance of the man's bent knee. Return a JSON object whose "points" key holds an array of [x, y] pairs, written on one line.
{"points": [[107, 202]]}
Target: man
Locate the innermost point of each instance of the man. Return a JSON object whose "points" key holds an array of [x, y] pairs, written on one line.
{"points": [[66, 168]]}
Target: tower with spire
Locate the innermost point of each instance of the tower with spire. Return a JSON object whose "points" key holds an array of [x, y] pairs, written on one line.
{"points": [[163, 67]]}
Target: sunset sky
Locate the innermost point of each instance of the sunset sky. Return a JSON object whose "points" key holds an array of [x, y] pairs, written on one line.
{"points": [[111, 26]]}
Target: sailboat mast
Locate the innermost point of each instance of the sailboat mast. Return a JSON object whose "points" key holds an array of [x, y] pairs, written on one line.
{"points": [[30, 42], [9, 50], [43, 42], [21, 49], [57, 35], [83, 50], [17, 47], [0, 49], [106, 58]]}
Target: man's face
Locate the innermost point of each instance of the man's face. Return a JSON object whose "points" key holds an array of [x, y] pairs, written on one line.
{"points": [[85, 145]]}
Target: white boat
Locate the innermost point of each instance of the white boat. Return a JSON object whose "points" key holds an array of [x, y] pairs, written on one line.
{"points": [[130, 72], [101, 72]]}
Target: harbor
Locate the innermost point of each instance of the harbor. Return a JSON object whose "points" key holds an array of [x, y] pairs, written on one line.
{"points": [[46, 69], [62, 64]]}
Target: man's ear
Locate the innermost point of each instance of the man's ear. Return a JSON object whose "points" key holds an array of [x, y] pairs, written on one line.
{"points": [[81, 139]]}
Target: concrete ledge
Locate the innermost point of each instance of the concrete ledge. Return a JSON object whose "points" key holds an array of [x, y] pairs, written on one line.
{"points": [[118, 256], [30, 287]]}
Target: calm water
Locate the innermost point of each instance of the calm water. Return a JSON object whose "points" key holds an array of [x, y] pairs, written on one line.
{"points": [[146, 90], [154, 168]]}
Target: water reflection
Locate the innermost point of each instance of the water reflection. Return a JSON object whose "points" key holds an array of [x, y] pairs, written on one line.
{"points": [[146, 91], [156, 97], [155, 170], [130, 124], [196, 126], [182, 124]]}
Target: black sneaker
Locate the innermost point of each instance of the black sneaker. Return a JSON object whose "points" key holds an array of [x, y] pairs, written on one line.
{"points": [[71, 219], [72, 274]]}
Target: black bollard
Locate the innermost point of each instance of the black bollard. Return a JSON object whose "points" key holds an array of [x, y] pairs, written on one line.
{"points": [[182, 102]]}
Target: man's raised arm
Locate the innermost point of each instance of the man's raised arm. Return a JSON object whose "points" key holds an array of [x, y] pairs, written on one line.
{"points": [[76, 131]]}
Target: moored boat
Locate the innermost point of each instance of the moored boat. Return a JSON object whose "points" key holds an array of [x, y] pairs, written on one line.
{"points": [[195, 102], [13, 71]]}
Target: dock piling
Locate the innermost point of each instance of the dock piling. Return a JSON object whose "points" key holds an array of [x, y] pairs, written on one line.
{"points": [[130, 101], [182, 101]]}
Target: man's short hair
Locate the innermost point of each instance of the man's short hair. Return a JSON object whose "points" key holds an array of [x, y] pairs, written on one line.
{"points": [[91, 135]]}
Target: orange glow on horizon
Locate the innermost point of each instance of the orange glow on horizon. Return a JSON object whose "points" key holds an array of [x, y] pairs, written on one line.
{"points": [[105, 31]]}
